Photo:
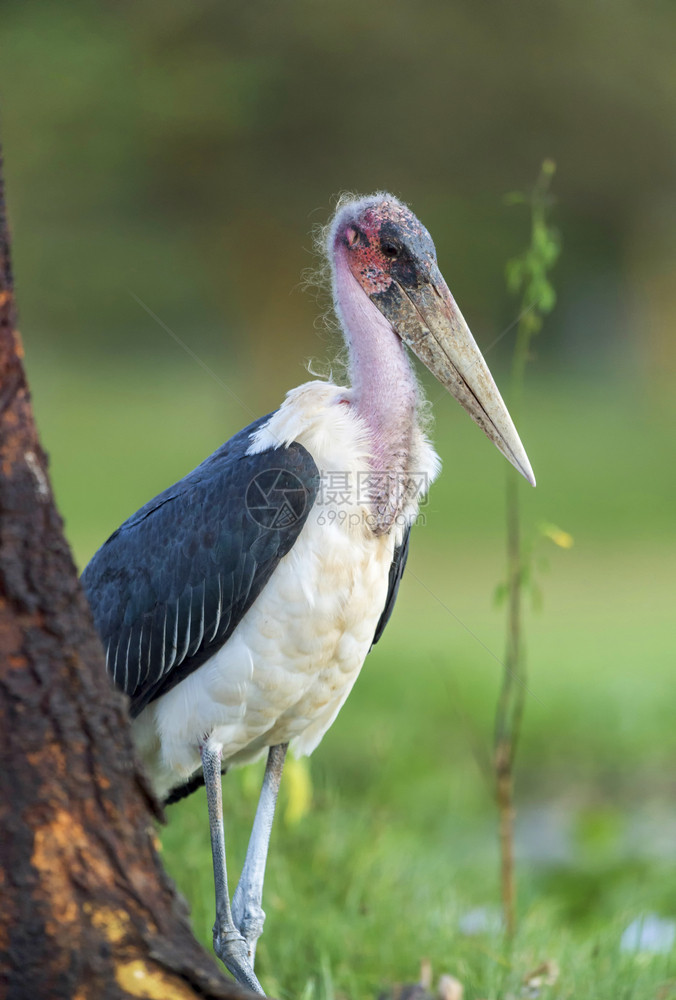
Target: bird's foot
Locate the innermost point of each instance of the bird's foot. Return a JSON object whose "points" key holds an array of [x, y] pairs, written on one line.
{"points": [[233, 950]]}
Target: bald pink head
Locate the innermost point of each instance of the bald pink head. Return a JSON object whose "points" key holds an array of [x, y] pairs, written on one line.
{"points": [[382, 241], [388, 291]]}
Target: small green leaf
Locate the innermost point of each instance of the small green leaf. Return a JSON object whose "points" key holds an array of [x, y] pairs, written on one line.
{"points": [[500, 594]]}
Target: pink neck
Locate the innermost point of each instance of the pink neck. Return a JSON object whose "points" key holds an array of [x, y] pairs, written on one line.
{"points": [[384, 388]]}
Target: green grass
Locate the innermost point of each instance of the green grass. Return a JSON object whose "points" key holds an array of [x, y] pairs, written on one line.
{"points": [[400, 842]]}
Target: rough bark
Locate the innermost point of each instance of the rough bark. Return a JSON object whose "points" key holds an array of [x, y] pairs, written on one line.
{"points": [[87, 910]]}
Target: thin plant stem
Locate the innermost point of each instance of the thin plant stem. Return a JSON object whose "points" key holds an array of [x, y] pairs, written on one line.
{"points": [[526, 274]]}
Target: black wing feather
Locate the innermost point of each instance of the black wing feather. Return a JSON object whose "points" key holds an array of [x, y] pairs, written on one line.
{"points": [[169, 586], [396, 572]]}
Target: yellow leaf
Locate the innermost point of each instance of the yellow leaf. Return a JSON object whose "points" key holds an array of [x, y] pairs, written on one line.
{"points": [[298, 787], [561, 538]]}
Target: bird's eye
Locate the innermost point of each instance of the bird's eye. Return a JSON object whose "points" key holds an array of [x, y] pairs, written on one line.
{"points": [[389, 249], [352, 236]]}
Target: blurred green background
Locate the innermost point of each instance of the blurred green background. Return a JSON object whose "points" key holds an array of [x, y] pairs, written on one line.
{"points": [[181, 153]]}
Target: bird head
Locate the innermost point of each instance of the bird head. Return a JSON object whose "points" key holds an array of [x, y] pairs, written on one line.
{"points": [[381, 244]]}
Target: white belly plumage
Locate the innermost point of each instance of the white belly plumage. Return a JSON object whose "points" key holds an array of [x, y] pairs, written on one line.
{"points": [[287, 668]]}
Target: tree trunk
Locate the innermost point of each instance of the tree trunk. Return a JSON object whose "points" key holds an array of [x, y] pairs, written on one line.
{"points": [[87, 911]]}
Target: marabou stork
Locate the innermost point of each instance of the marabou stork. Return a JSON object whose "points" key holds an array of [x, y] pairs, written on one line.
{"points": [[236, 608]]}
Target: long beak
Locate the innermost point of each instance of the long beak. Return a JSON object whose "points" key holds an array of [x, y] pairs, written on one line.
{"points": [[429, 322]]}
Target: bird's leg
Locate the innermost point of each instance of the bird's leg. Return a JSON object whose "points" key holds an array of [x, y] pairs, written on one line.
{"points": [[229, 944], [247, 911]]}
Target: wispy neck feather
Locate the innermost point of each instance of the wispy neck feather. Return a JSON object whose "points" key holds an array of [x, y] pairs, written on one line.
{"points": [[384, 390]]}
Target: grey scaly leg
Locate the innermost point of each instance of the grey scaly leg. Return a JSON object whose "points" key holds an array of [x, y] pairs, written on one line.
{"points": [[229, 944], [247, 911]]}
